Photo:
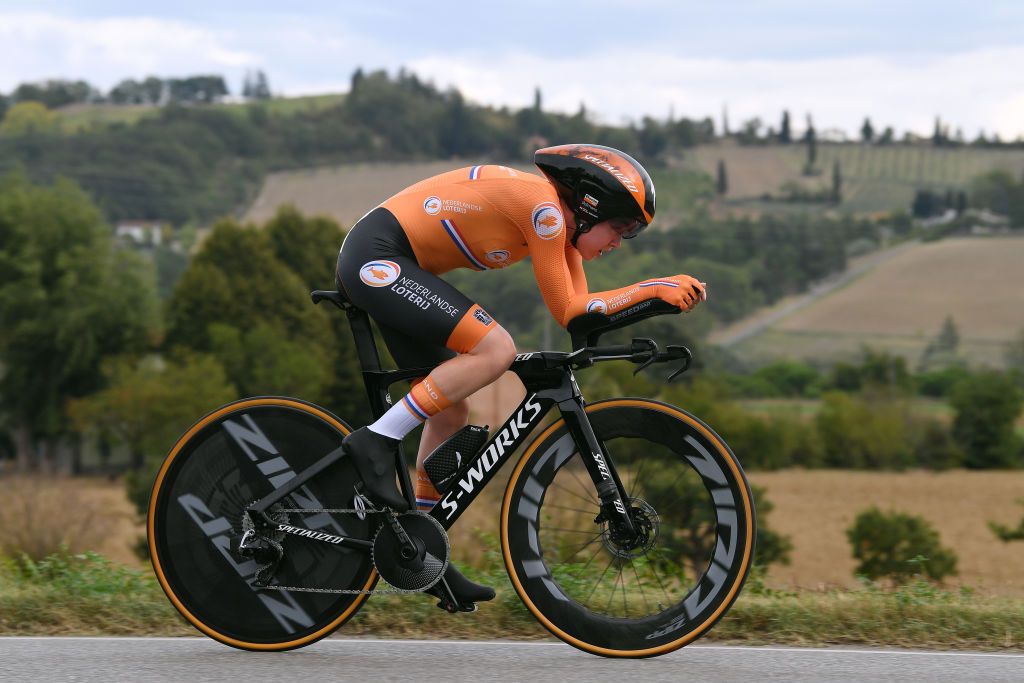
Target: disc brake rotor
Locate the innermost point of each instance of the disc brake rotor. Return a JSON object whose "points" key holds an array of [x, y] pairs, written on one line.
{"points": [[647, 524]]}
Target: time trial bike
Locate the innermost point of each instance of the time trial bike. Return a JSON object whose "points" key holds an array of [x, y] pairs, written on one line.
{"points": [[627, 526]]}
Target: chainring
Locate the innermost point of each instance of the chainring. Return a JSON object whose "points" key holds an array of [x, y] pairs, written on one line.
{"points": [[424, 570]]}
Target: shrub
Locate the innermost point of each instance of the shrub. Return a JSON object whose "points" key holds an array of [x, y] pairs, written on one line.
{"points": [[1007, 534], [934, 447], [856, 433], [937, 383], [790, 378], [987, 404], [46, 516], [772, 547], [898, 546]]}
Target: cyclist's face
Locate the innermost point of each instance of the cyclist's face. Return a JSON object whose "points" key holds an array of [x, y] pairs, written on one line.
{"points": [[598, 241]]}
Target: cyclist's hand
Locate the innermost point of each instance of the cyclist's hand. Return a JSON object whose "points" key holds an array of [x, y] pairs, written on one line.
{"points": [[681, 291]]}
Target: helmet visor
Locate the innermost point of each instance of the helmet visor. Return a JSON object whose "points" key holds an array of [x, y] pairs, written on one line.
{"points": [[628, 228]]}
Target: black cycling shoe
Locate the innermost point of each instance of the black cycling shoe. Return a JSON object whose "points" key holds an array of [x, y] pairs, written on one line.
{"points": [[466, 593], [374, 456]]}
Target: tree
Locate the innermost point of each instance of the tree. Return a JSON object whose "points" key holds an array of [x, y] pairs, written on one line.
{"points": [[888, 135], [925, 204], [68, 299], [28, 117], [942, 351], [785, 136], [811, 138], [55, 93], [1015, 358], [987, 405], [273, 339], [837, 183], [938, 134], [149, 402], [722, 180], [255, 86], [857, 432], [961, 202], [867, 131]]}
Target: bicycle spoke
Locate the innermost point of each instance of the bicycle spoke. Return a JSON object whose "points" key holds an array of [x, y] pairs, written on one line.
{"points": [[570, 531], [598, 582], [573, 493], [582, 485], [589, 542], [638, 478], [625, 609], [563, 507], [611, 596], [579, 572], [639, 582], [654, 570]]}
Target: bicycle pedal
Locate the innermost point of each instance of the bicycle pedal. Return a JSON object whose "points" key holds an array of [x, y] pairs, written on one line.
{"points": [[453, 608]]}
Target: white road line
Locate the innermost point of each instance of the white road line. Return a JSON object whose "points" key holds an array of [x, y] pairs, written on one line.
{"points": [[521, 643]]}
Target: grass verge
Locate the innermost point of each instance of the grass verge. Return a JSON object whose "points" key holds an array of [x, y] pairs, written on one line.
{"points": [[88, 595]]}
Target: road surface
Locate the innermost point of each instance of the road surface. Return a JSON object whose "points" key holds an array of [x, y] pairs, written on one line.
{"points": [[194, 660]]}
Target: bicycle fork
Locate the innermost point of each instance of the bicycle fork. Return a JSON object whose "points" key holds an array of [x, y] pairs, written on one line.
{"points": [[614, 500]]}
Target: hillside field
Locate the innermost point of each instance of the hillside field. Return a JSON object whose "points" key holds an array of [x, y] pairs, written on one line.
{"points": [[901, 304], [347, 192], [875, 178]]}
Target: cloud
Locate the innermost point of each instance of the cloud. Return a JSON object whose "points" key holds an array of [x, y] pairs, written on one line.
{"points": [[310, 53], [36, 46], [975, 90]]}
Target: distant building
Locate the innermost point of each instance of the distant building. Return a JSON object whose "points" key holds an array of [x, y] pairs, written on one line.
{"points": [[140, 232]]}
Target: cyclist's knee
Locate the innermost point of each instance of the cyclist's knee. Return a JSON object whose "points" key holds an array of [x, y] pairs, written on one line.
{"points": [[497, 347]]}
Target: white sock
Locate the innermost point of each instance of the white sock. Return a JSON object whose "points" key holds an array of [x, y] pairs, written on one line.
{"points": [[397, 422]]}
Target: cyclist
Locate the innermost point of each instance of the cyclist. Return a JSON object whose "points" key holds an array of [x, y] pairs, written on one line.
{"points": [[589, 199]]}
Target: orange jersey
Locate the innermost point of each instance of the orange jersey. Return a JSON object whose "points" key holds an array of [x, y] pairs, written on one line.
{"points": [[486, 217]]}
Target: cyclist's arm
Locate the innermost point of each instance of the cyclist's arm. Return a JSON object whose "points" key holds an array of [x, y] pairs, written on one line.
{"points": [[559, 271]]}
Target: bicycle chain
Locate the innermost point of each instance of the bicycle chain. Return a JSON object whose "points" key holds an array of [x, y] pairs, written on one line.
{"points": [[344, 591]]}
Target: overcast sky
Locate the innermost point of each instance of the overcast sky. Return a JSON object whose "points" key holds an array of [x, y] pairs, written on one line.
{"points": [[902, 63]]}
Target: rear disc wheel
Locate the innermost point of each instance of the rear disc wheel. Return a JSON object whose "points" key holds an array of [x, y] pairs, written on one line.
{"points": [[230, 458]]}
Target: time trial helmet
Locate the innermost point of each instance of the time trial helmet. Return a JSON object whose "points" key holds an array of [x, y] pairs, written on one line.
{"points": [[599, 184]]}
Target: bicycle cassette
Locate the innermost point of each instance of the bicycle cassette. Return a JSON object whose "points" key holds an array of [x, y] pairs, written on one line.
{"points": [[423, 570]]}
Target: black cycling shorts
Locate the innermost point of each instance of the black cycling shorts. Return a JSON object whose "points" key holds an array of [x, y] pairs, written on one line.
{"points": [[423, 319]]}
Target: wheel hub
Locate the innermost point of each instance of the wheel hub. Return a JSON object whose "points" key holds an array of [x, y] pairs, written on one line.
{"points": [[646, 525]]}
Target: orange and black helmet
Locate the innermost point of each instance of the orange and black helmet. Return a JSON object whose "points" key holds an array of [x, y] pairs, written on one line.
{"points": [[599, 184]]}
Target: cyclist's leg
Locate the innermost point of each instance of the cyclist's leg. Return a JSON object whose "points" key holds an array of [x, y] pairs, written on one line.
{"points": [[424, 320]]}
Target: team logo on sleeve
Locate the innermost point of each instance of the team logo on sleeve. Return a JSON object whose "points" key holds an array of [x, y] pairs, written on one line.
{"points": [[597, 306], [432, 205], [498, 256], [379, 273], [547, 221]]}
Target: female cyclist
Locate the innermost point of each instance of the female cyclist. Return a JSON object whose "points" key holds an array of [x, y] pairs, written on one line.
{"points": [[589, 199]]}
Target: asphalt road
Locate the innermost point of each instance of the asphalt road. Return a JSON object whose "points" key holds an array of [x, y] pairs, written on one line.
{"points": [[194, 660]]}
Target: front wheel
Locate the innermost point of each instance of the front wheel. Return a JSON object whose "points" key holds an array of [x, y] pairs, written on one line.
{"points": [[664, 588]]}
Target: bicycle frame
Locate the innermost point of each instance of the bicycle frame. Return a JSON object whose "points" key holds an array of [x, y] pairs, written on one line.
{"points": [[549, 382]]}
